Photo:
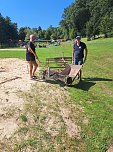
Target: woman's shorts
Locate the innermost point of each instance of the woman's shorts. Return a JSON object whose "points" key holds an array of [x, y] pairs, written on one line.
{"points": [[30, 57]]}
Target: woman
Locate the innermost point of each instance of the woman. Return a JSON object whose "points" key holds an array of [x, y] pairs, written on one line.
{"points": [[31, 57]]}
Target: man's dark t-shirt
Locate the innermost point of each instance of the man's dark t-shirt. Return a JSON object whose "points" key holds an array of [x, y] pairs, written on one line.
{"points": [[30, 56], [79, 50]]}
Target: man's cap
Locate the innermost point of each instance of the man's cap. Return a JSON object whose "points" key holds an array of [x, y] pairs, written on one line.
{"points": [[78, 37]]}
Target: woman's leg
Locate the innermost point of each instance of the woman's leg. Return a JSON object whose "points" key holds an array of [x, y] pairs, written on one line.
{"points": [[35, 67], [30, 68]]}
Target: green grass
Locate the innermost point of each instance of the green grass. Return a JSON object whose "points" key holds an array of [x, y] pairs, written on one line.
{"points": [[43, 53], [12, 54], [94, 94]]}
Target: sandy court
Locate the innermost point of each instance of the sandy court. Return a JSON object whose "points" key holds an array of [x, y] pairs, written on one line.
{"points": [[14, 77]]}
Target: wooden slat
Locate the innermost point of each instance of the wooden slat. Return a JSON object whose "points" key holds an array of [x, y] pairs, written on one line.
{"points": [[59, 60]]}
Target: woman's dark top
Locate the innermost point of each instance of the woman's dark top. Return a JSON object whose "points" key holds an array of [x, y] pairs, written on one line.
{"points": [[30, 56]]}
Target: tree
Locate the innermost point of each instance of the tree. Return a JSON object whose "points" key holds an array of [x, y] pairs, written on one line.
{"points": [[3, 36], [65, 29], [106, 25], [22, 33], [87, 17], [74, 19], [8, 30]]}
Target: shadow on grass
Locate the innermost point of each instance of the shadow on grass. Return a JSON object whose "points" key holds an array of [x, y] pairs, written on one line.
{"points": [[87, 83], [83, 85], [97, 79]]}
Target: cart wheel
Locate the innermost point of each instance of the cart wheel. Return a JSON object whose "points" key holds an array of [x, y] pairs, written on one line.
{"points": [[69, 80]]}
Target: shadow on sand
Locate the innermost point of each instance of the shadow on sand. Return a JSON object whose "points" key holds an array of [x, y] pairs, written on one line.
{"points": [[8, 80]]}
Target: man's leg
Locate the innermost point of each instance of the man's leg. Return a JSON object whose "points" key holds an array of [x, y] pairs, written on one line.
{"points": [[75, 61], [80, 62]]}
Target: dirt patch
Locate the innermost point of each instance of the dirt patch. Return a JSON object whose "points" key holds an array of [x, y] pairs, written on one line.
{"points": [[13, 78], [72, 129]]}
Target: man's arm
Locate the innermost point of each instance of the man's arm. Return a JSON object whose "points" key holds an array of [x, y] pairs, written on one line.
{"points": [[85, 54], [72, 55]]}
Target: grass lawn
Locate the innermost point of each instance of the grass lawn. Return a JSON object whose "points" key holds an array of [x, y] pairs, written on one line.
{"points": [[94, 94]]}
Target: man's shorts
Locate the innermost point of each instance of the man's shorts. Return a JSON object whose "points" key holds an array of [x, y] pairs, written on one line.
{"points": [[78, 61]]}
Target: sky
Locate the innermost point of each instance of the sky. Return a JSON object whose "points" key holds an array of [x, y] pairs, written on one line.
{"points": [[34, 13]]}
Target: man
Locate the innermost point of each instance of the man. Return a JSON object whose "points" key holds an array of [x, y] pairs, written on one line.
{"points": [[79, 54], [31, 57]]}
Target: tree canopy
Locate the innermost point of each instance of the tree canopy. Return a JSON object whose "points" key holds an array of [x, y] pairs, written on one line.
{"points": [[88, 18], [8, 30]]}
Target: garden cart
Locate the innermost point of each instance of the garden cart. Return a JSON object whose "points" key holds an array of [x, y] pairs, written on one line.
{"points": [[61, 68]]}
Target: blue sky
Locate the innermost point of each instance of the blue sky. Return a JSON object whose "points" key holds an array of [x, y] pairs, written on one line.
{"points": [[34, 13]]}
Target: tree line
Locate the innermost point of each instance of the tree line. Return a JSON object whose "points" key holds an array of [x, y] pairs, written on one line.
{"points": [[10, 34], [49, 34], [88, 18], [8, 31]]}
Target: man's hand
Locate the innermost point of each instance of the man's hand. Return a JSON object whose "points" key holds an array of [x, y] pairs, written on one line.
{"points": [[84, 60]]}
